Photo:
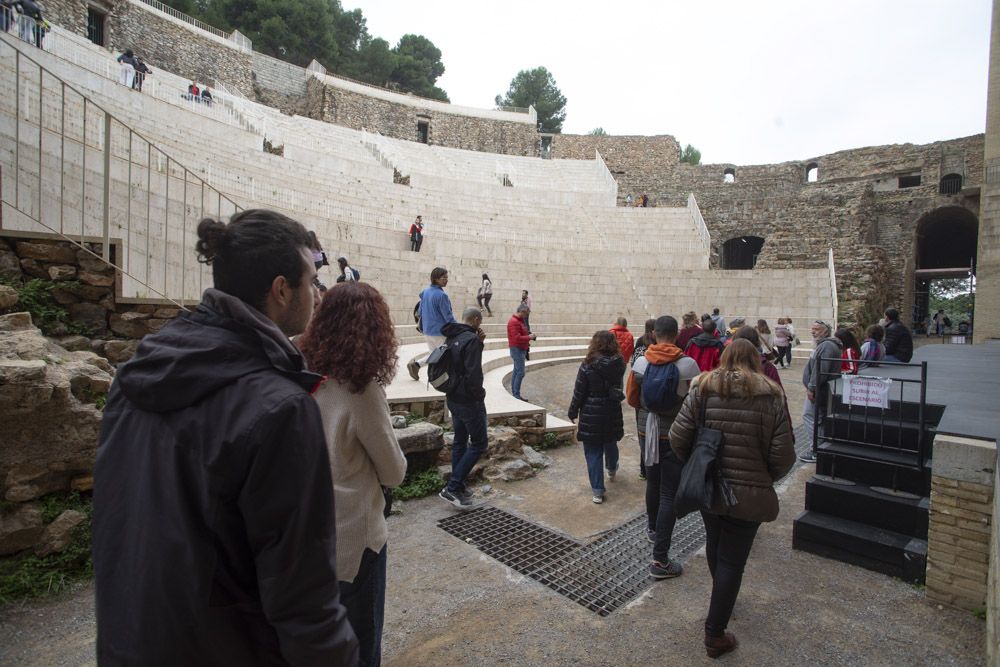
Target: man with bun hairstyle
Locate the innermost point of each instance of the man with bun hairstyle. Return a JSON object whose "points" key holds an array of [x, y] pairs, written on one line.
{"points": [[213, 528]]}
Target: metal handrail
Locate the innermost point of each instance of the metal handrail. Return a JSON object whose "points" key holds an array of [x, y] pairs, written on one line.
{"points": [[921, 450], [116, 142], [166, 9]]}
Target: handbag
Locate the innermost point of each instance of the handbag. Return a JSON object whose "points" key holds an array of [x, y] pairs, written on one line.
{"points": [[701, 478]]}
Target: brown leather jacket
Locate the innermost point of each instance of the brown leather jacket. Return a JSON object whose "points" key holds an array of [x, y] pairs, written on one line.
{"points": [[758, 448]]}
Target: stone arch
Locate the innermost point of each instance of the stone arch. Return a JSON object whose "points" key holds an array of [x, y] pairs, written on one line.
{"points": [[741, 252], [945, 246], [951, 184], [812, 172]]}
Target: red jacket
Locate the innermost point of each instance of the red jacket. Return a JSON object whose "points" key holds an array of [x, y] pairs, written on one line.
{"points": [[517, 333], [705, 350], [626, 342]]}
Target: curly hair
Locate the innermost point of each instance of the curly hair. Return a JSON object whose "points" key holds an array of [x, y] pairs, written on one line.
{"points": [[351, 338], [603, 344]]}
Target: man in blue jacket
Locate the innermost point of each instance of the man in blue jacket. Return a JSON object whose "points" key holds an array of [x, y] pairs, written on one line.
{"points": [[435, 312], [213, 528]]}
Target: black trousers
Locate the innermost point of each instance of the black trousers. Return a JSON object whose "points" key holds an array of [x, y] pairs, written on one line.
{"points": [[727, 548], [662, 481]]}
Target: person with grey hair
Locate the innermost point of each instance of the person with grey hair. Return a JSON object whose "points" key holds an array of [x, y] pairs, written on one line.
{"points": [[823, 365], [466, 402], [519, 341]]}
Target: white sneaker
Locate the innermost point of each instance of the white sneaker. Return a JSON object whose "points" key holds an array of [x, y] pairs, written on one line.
{"points": [[598, 500], [611, 474]]}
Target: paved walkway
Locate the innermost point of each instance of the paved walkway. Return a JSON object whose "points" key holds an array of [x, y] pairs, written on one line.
{"points": [[448, 604]]}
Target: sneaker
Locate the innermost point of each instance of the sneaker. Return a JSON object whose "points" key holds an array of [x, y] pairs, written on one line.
{"points": [[465, 495], [658, 570], [611, 474], [642, 476], [455, 499], [414, 369], [807, 456], [598, 500], [651, 536]]}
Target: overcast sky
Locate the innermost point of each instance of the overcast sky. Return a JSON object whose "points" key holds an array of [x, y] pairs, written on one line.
{"points": [[747, 82]]}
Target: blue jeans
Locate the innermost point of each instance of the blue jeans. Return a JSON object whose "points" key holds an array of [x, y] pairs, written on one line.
{"points": [[517, 354], [469, 421], [662, 481], [364, 599], [599, 454]]}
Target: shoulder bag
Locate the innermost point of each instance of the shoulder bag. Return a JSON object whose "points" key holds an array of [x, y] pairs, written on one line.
{"points": [[701, 479]]}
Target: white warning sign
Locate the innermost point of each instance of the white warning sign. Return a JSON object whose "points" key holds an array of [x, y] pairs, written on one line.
{"points": [[866, 390]]}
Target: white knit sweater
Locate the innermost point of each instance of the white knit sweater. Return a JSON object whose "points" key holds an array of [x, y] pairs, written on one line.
{"points": [[364, 456]]}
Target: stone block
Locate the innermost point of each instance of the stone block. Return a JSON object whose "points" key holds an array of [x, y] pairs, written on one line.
{"points": [[60, 272], [63, 296], [96, 279], [58, 534], [119, 351], [16, 322], [17, 371], [34, 269], [10, 265], [8, 297], [965, 460], [82, 483], [74, 343], [130, 325], [47, 252], [90, 263], [166, 313], [20, 529], [420, 437], [89, 315]]}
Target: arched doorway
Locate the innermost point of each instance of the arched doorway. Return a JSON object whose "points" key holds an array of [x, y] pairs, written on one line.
{"points": [[741, 252], [945, 265]]}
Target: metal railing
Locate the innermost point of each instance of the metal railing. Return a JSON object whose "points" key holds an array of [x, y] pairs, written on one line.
{"points": [[23, 27], [201, 25], [699, 223], [878, 434], [833, 288], [72, 170]]}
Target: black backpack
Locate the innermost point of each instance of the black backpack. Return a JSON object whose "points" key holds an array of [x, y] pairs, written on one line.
{"points": [[416, 317], [440, 370]]}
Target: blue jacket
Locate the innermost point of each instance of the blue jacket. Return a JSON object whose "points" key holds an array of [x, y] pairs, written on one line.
{"points": [[435, 310]]}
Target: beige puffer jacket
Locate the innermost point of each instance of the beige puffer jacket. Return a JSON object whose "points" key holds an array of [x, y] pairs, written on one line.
{"points": [[758, 448]]}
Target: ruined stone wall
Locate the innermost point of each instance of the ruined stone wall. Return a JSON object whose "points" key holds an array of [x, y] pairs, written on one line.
{"points": [[454, 130], [279, 84], [177, 47], [639, 164]]}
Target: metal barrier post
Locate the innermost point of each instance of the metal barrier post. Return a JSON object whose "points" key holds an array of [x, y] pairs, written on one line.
{"points": [[106, 213]]}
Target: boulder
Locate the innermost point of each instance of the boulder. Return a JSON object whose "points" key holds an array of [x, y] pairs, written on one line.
{"points": [[120, 351], [166, 313], [90, 315], [130, 325], [535, 459], [398, 421], [20, 529], [503, 443], [8, 297], [58, 534], [10, 265], [90, 263], [34, 269], [74, 343], [60, 272], [50, 424], [509, 471], [98, 279], [64, 296], [61, 253], [420, 437]]}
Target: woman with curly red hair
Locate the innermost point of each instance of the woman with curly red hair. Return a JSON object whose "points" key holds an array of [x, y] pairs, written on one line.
{"points": [[351, 340]]}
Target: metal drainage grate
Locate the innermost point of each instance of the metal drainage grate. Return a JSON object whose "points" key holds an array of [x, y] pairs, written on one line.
{"points": [[601, 576]]}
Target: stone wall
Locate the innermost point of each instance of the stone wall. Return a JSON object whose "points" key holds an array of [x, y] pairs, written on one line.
{"points": [[988, 265], [993, 580], [336, 104], [279, 84], [639, 164], [84, 287], [961, 521]]}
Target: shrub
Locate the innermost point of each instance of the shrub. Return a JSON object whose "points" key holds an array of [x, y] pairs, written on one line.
{"points": [[35, 296], [419, 484]]}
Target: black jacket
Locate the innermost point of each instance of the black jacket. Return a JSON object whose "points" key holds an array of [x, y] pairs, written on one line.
{"points": [[213, 529], [597, 399], [467, 360], [898, 341]]}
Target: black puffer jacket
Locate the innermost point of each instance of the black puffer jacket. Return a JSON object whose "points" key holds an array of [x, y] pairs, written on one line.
{"points": [[898, 341], [600, 413], [213, 530]]}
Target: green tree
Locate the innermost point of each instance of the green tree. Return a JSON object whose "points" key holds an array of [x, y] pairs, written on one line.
{"points": [[374, 64], [598, 132], [691, 155], [418, 66], [537, 88]]}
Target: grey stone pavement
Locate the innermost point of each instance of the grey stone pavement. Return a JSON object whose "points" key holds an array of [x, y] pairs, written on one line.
{"points": [[449, 604]]}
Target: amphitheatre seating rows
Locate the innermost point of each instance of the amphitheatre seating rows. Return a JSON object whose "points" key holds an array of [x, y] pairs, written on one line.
{"points": [[590, 279]]}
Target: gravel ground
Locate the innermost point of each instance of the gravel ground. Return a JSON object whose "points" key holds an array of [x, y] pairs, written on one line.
{"points": [[450, 604]]}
